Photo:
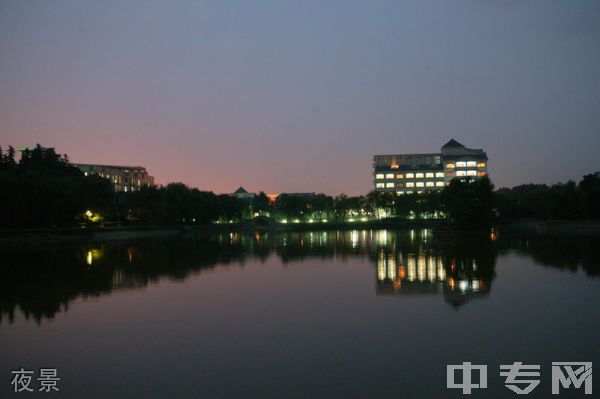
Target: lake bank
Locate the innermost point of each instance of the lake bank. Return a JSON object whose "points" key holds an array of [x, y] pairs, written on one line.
{"points": [[11, 238]]}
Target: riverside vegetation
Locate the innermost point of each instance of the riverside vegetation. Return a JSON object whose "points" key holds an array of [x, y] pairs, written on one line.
{"points": [[43, 189]]}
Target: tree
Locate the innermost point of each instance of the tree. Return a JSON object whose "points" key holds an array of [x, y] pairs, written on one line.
{"points": [[261, 203], [589, 188], [469, 202], [45, 190]]}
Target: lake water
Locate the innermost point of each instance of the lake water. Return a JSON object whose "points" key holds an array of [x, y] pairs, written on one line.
{"points": [[348, 314]]}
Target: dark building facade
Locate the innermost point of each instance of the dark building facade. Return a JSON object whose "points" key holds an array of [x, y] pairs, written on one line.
{"points": [[123, 178]]}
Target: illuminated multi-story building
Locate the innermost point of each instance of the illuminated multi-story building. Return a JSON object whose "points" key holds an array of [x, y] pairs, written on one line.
{"points": [[123, 178], [410, 173]]}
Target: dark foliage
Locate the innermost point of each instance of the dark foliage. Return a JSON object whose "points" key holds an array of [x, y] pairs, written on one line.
{"points": [[469, 202], [43, 189], [559, 201]]}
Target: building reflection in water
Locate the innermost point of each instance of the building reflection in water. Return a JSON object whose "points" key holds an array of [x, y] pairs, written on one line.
{"points": [[459, 272], [42, 282]]}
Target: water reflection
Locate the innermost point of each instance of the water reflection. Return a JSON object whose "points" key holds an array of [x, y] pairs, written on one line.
{"points": [[41, 283], [460, 270]]}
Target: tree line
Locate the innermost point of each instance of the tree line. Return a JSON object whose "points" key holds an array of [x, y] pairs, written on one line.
{"points": [[559, 201], [43, 189]]}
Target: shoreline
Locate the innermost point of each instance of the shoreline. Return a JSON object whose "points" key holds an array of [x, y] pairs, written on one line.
{"points": [[34, 237]]}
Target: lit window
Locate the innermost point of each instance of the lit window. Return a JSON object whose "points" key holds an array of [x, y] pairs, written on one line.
{"points": [[389, 176], [461, 173], [439, 184], [429, 184], [471, 164], [389, 185], [419, 175], [410, 184], [125, 188], [394, 166], [481, 165], [481, 174], [471, 173], [420, 184], [461, 164], [400, 185], [379, 176], [409, 192], [400, 192], [429, 175], [380, 185], [450, 166], [399, 176], [410, 175], [439, 174]]}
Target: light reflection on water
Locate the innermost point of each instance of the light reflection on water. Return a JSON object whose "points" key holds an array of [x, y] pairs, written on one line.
{"points": [[305, 308]]}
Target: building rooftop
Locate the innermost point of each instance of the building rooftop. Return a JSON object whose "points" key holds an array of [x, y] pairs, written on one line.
{"points": [[452, 143], [108, 166], [240, 190]]}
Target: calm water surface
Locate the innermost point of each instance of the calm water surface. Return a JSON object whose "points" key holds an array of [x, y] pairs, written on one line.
{"points": [[353, 314]]}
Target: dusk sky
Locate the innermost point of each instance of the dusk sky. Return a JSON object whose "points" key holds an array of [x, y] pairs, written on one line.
{"points": [[298, 96]]}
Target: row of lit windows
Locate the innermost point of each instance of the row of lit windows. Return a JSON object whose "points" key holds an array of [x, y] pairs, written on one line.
{"points": [[117, 179], [465, 164], [427, 175], [462, 173], [411, 184]]}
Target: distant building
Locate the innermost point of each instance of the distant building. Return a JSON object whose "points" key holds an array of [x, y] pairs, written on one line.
{"points": [[123, 178], [241, 193], [410, 173]]}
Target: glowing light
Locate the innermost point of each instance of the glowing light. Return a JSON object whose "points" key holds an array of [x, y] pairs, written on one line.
{"points": [[381, 266], [354, 238], [402, 272], [412, 272], [324, 220], [92, 217], [391, 267], [493, 235], [296, 220], [284, 221], [92, 255], [431, 268], [310, 221], [421, 268]]}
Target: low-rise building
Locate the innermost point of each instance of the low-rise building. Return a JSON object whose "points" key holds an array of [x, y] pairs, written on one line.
{"points": [[123, 178], [242, 193], [415, 173]]}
